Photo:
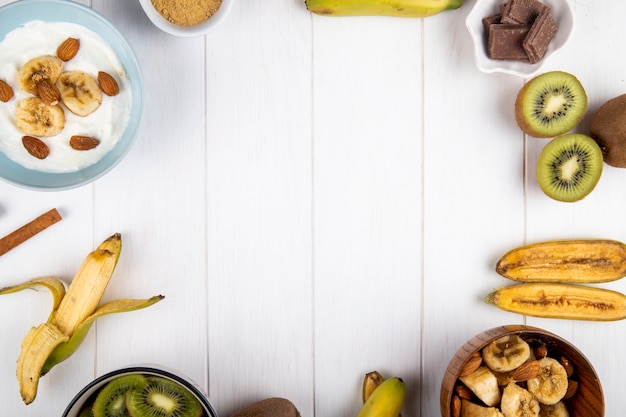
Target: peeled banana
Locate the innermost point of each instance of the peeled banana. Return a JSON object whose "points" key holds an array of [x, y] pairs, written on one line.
{"points": [[79, 92], [574, 261], [550, 384], [565, 301], [47, 67], [506, 353], [484, 384], [386, 400], [518, 402], [36, 118], [398, 8], [73, 312], [469, 409], [557, 410]]}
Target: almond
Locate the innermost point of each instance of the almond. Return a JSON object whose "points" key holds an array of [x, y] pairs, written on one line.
{"points": [[6, 92], [526, 371], [463, 392], [540, 351], [35, 147], [572, 387], [473, 362], [68, 49], [456, 407], [48, 92], [568, 365], [107, 84], [83, 143]]}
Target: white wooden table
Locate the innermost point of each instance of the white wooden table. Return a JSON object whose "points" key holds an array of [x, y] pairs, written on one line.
{"points": [[316, 198]]}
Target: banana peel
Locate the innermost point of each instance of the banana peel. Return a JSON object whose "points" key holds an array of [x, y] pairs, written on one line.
{"points": [[73, 313], [397, 8]]}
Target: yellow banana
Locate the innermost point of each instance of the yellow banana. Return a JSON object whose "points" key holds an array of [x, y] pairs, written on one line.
{"points": [[88, 285], [73, 313], [574, 261], [564, 301], [386, 400], [53, 284], [398, 8], [36, 346], [370, 382], [64, 350]]}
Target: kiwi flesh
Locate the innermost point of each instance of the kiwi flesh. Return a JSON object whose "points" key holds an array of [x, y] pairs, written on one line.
{"points": [[569, 167], [161, 397], [608, 129], [550, 104], [111, 400]]}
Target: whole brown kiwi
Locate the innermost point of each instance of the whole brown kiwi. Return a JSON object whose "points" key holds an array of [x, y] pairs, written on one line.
{"points": [[270, 407], [608, 129]]}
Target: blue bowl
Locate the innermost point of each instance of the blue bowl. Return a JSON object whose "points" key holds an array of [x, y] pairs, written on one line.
{"points": [[20, 12]]}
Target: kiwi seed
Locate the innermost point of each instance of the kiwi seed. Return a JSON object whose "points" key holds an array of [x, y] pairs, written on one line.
{"points": [[569, 167], [111, 400], [550, 104], [608, 129], [161, 397]]}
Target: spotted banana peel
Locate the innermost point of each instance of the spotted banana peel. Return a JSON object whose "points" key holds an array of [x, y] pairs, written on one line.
{"points": [[396, 8], [73, 312]]}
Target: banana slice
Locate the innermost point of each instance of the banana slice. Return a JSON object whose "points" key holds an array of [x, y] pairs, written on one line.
{"points": [[469, 409], [36, 118], [46, 67], [550, 385], [79, 92], [484, 384], [556, 410], [518, 402], [506, 353]]}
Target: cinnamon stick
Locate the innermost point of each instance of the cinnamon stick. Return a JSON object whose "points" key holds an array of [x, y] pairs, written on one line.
{"points": [[29, 230]]}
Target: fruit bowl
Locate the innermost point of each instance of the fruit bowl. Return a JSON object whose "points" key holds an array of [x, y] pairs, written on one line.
{"points": [[586, 401], [88, 394], [563, 17], [199, 29], [19, 13]]}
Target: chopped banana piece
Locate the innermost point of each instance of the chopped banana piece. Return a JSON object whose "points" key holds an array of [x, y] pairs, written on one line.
{"points": [[518, 402], [469, 409], [484, 384], [506, 353], [550, 385]]}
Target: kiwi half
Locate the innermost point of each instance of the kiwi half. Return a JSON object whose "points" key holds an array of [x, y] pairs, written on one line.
{"points": [[550, 104], [161, 397], [569, 167], [111, 400]]}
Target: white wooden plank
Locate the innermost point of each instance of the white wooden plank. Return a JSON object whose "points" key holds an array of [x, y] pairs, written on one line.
{"points": [[367, 188], [259, 206]]}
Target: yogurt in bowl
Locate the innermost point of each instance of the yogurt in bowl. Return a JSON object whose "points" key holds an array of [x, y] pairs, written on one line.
{"points": [[107, 123]]}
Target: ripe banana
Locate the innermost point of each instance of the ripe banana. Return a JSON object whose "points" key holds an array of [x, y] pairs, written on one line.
{"points": [[370, 382], [574, 261], [74, 311], [518, 402], [506, 353], [36, 118], [398, 8], [550, 384], [469, 409], [386, 400], [564, 301], [46, 67], [79, 92], [484, 384]]}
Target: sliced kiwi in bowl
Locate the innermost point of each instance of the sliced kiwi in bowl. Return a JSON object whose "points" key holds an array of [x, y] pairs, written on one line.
{"points": [[550, 104], [569, 167], [161, 397]]}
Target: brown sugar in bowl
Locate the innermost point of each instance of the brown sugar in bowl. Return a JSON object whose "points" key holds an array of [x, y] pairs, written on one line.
{"points": [[589, 398]]}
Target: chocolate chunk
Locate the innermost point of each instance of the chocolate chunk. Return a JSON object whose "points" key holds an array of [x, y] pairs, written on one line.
{"points": [[505, 42], [522, 11], [491, 20], [539, 36]]}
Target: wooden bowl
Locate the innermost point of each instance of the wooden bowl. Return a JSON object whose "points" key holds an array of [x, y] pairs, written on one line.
{"points": [[589, 398]]}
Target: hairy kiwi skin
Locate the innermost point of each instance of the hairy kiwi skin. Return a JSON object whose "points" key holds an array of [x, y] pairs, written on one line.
{"points": [[581, 156], [608, 129], [524, 103], [269, 407]]}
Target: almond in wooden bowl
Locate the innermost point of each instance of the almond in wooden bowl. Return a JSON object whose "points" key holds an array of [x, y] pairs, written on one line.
{"points": [[579, 390]]}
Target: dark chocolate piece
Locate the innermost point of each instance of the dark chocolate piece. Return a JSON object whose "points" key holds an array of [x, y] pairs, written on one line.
{"points": [[505, 42], [539, 37], [491, 20], [522, 11]]}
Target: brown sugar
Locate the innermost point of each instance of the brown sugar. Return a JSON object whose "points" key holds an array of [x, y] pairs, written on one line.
{"points": [[186, 12]]}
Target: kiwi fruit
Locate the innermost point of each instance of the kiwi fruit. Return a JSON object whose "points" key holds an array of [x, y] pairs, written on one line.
{"points": [[569, 167], [269, 407], [161, 397], [550, 104], [608, 129], [111, 400]]}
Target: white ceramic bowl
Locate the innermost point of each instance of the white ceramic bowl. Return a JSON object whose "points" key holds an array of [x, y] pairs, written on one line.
{"points": [[563, 16], [94, 386], [16, 14], [187, 31]]}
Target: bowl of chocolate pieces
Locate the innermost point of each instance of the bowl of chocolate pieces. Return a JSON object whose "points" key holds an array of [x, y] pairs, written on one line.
{"points": [[517, 36]]}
